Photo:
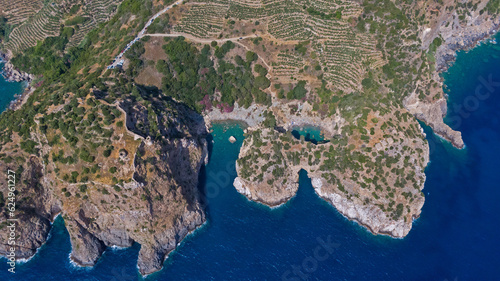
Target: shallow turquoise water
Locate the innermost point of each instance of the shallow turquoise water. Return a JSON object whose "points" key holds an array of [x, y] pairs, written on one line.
{"points": [[310, 133], [456, 237], [8, 90]]}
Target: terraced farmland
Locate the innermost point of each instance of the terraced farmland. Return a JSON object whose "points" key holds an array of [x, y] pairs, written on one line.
{"points": [[43, 24], [287, 64], [18, 11], [346, 59], [347, 8], [98, 12], [34, 20], [203, 21], [344, 54]]}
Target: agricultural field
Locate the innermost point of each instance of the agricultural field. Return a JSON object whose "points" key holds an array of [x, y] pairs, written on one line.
{"points": [[203, 21], [44, 23], [18, 11], [344, 54], [33, 21], [94, 13]]}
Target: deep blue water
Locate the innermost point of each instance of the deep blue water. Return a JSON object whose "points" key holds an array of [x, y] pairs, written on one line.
{"points": [[8, 90], [456, 237]]}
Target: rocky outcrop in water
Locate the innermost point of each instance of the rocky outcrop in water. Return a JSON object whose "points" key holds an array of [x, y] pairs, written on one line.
{"points": [[86, 248], [10, 73]]}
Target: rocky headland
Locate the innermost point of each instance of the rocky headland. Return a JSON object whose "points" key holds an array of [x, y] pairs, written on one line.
{"points": [[383, 199], [455, 36], [151, 196], [269, 174]]}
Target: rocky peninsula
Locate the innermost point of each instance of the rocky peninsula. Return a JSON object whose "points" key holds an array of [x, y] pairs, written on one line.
{"points": [[152, 198], [378, 185]]}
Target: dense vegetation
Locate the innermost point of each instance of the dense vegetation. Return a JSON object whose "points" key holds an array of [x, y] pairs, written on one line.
{"points": [[4, 28], [160, 25], [190, 76], [64, 71], [50, 57]]}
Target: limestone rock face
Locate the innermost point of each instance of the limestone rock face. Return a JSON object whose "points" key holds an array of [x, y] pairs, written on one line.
{"points": [[33, 215], [456, 36], [34, 231], [462, 37], [164, 205], [432, 114], [152, 255], [157, 206], [368, 216], [86, 248], [272, 197]]}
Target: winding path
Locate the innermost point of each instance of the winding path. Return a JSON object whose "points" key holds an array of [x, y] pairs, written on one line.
{"points": [[119, 61], [208, 41]]}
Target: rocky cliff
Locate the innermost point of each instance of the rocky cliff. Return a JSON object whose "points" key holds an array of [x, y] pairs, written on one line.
{"points": [[455, 35], [151, 198]]}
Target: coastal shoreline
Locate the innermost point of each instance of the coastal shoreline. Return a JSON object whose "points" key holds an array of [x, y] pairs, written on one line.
{"points": [[356, 220], [10, 74], [472, 40], [191, 234], [455, 39], [447, 53], [261, 202]]}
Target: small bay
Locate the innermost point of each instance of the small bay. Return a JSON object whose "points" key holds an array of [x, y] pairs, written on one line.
{"points": [[8, 90]]}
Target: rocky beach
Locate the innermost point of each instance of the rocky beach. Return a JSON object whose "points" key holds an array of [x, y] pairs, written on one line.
{"points": [[11, 74]]}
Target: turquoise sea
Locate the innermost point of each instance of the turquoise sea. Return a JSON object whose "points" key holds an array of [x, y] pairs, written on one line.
{"points": [[8, 90], [310, 133], [456, 237]]}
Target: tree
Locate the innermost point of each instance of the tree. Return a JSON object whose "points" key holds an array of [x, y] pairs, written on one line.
{"points": [[367, 83], [4, 28], [107, 152], [251, 56], [86, 156], [260, 69], [262, 82], [298, 91], [270, 120]]}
